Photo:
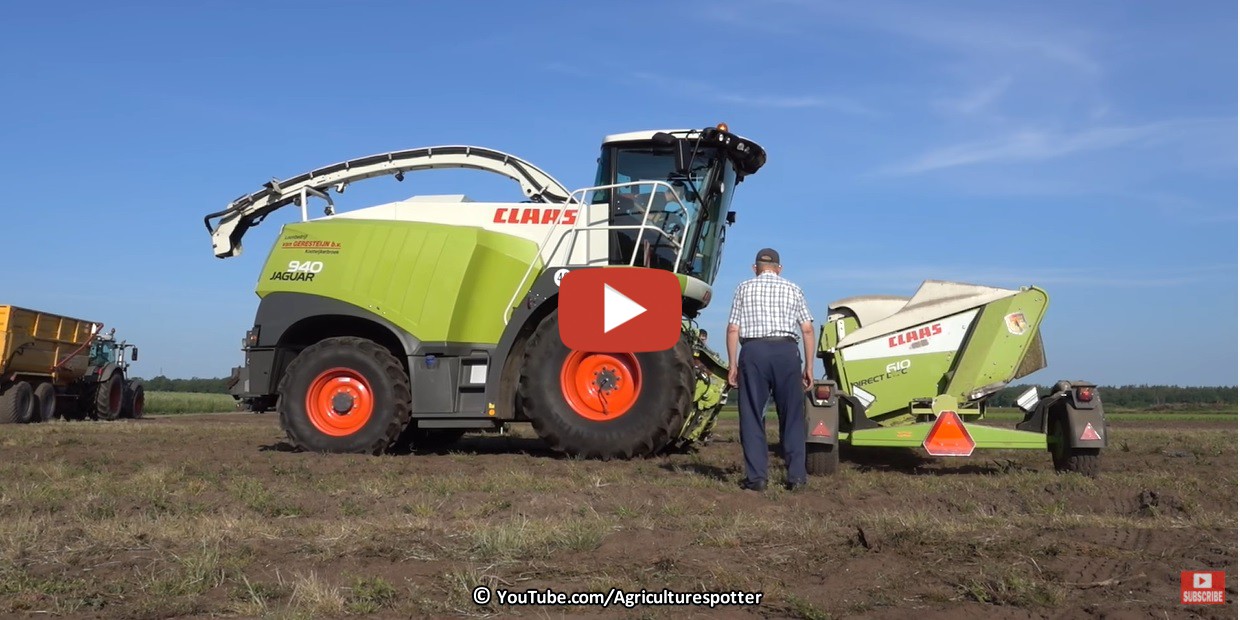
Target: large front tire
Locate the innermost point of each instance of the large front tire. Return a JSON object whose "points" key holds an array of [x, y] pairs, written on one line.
{"points": [[109, 396], [604, 405], [135, 401], [344, 395]]}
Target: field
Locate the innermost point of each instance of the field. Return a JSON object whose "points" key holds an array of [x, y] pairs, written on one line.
{"points": [[197, 515], [166, 403]]}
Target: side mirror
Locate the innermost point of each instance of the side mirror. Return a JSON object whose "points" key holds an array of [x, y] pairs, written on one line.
{"points": [[678, 150], [731, 218], [134, 356]]}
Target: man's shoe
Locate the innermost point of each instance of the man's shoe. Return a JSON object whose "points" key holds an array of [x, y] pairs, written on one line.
{"points": [[753, 486], [796, 486]]}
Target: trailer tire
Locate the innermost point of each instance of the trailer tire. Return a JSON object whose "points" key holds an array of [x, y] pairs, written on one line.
{"points": [[135, 401], [1084, 461], [653, 392], [338, 373], [822, 459], [44, 403], [17, 404], [109, 397]]}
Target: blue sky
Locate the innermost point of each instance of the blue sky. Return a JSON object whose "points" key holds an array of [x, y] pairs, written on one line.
{"points": [[1087, 148]]}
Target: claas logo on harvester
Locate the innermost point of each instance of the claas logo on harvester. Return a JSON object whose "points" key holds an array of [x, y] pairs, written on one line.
{"points": [[535, 216]]}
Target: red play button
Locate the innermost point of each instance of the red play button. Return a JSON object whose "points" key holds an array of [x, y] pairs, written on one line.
{"points": [[620, 310]]}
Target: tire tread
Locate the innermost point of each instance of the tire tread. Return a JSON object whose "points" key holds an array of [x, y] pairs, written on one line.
{"points": [[392, 370]]}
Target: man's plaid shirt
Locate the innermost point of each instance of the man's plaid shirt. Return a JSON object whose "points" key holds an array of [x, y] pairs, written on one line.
{"points": [[767, 306]]}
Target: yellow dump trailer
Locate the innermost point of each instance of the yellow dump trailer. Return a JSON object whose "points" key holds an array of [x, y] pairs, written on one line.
{"points": [[54, 365]]}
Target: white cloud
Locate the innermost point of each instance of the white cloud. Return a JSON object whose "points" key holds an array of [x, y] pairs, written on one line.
{"points": [[1041, 145], [979, 99], [694, 89], [979, 36], [702, 90]]}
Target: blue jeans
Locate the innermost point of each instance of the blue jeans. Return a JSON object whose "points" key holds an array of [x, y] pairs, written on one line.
{"points": [[772, 368]]}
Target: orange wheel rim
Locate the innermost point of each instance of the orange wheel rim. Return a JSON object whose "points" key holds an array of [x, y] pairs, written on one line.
{"points": [[339, 402], [601, 386]]}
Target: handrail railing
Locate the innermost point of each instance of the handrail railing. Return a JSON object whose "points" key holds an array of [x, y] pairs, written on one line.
{"points": [[577, 197]]}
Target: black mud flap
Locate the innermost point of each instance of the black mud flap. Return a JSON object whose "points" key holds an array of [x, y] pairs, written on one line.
{"points": [[822, 415], [239, 381], [1079, 405], [1087, 427]]}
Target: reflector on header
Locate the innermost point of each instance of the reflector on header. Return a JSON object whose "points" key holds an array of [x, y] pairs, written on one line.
{"points": [[949, 437]]}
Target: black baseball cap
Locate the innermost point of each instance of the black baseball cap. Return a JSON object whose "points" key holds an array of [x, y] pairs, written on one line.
{"points": [[767, 255]]}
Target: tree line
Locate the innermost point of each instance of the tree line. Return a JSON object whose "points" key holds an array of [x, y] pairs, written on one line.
{"points": [[1151, 397], [203, 386]]}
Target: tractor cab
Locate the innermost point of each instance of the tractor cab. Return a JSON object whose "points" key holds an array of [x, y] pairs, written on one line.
{"points": [[106, 349], [669, 195]]}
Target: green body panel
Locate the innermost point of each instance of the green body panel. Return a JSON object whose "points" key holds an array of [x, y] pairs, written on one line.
{"points": [[438, 282], [912, 436], [896, 387], [995, 350], [828, 336]]}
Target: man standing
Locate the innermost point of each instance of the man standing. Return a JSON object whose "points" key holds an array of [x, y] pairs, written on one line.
{"points": [[768, 314]]}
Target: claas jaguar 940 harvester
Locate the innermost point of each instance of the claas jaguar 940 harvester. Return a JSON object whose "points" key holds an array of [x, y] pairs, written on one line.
{"points": [[417, 321]]}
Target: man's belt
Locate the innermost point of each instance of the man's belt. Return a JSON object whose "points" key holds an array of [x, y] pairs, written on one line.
{"points": [[769, 339]]}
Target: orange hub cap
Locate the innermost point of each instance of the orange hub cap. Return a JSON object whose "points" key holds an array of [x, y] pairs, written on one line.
{"points": [[601, 386], [339, 402]]}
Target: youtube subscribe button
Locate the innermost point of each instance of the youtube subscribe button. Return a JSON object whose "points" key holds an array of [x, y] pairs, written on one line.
{"points": [[620, 309]]}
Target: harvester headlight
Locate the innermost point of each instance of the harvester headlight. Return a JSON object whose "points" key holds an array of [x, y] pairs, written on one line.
{"points": [[1085, 394]]}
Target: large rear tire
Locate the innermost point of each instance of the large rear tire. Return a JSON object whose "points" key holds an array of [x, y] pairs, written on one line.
{"points": [[44, 403], [1084, 461], [109, 396], [135, 401], [17, 403], [344, 395], [604, 405]]}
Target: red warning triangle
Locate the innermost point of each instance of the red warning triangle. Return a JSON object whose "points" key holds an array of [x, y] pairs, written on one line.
{"points": [[1090, 434], [821, 430], [948, 437]]}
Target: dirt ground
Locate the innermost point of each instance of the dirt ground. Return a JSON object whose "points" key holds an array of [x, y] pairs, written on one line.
{"points": [[195, 516]]}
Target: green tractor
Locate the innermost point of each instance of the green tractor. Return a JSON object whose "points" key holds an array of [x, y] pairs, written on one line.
{"points": [[411, 323], [107, 391], [919, 373]]}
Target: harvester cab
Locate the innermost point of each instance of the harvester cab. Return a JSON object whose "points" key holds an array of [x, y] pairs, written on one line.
{"points": [[415, 321]]}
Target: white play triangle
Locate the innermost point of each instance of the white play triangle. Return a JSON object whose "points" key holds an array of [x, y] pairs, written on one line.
{"points": [[618, 309]]}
